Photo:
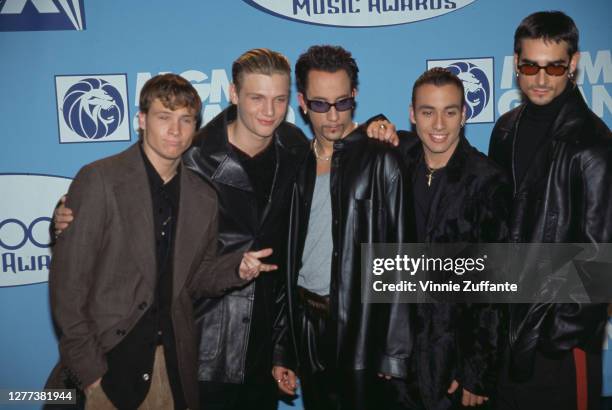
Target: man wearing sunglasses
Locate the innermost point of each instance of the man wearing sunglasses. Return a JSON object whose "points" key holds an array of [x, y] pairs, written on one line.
{"points": [[559, 155], [250, 155], [351, 191]]}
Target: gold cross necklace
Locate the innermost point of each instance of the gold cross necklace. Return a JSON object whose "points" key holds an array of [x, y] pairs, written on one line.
{"points": [[430, 174]]}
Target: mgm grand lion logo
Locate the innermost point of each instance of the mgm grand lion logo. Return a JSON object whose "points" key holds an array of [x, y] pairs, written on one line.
{"points": [[477, 77], [93, 108], [476, 84]]}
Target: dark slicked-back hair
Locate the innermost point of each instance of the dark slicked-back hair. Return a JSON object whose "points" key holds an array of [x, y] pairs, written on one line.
{"points": [[325, 58], [173, 91], [438, 76], [259, 61], [553, 26]]}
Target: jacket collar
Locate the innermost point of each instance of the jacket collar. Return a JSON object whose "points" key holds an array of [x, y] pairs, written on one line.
{"points": [[567, 125], [215, 147], [571, 118]]}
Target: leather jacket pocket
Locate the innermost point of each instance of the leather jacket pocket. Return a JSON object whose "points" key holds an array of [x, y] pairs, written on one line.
{"points": [[210, 324]]}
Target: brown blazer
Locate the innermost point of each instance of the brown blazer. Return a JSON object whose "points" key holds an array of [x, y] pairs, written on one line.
{"points": [[103, 271]]}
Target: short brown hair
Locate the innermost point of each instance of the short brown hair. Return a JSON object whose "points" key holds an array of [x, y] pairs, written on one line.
{"points": [[173, 91], [438, 76], [259, 61]]}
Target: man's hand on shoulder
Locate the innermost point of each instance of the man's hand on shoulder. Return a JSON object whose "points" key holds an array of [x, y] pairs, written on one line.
{"points": [[62, 216], [384, 131]]}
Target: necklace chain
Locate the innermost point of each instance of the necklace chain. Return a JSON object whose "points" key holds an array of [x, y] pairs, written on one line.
{"points": [[430, 174], [316, 152], [354, 125]]}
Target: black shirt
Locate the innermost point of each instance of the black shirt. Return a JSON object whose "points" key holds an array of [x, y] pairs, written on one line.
{"points": [[423, 195], [165, 198], [260, 169], [533, 131]]}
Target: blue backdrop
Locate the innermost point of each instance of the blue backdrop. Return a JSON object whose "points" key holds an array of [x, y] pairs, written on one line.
{"points": [[57, 54]]}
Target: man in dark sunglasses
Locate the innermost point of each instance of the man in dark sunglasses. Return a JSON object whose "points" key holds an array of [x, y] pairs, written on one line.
{"points": [[559, 155], [352, 190]]}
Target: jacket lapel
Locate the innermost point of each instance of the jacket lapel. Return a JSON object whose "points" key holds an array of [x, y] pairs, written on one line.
{"points": [[223, 167], [307, 178], [135, 208], [189, 234], [571, 119], [230, 172]]}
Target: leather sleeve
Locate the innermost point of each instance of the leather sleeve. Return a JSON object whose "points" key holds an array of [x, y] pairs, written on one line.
{"points": [[284, 353], [280, 324], [72, 274], [570, 325], [396, 318], [596, 178]]}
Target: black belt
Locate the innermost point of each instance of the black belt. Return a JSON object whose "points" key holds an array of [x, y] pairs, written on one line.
{"points": [[317, 303]]}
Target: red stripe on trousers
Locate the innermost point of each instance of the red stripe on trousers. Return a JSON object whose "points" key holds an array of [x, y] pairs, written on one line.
{"points": [[581, 379]]}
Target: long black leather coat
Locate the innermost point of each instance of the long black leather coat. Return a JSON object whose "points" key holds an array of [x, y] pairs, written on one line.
{"points": [[565, 196], [459, 341], [225, 322], [370, 204]]}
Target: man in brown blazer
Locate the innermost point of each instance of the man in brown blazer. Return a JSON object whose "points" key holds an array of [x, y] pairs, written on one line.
{"points": [[141, 247]]}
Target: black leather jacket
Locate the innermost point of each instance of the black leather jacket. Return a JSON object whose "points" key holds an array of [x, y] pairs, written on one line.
{"points": [[225, 323], [370, 204], [470, 205], [565, 196]]}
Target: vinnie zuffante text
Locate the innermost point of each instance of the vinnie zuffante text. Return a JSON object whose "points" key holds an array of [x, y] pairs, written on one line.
{"points": [[423, 265]]}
